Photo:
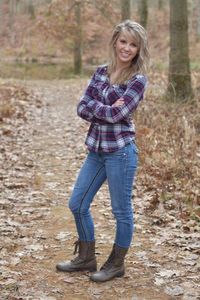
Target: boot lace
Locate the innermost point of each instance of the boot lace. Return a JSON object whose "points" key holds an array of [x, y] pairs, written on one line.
{"points": [[77, 246], [76, 250]]}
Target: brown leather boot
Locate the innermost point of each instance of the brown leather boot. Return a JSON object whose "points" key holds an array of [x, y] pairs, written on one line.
{"points": [[113, 267], [85, 261]]}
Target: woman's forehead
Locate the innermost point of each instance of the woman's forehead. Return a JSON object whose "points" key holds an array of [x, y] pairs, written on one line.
{"points": [[131, 36]]}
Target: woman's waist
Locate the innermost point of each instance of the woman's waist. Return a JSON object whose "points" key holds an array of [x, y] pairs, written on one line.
{"points": [[121, 126]]}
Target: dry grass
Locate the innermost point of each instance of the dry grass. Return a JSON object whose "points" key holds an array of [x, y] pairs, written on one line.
{"points": [[6, 107], [37, 181], [168, 136], [14, 100]]}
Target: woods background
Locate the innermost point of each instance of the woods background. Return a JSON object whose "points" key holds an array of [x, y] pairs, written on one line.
{"points": [[38, 31], [58, 39], [53, 47]]}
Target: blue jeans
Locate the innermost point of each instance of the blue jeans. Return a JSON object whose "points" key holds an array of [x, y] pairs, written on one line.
{"points": [[119, 169]]}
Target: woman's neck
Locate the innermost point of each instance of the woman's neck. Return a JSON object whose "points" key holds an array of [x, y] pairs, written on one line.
{"points": [[121, 66]]}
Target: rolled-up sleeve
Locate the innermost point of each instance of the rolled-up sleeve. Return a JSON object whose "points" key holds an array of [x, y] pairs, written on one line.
{"points": [[83, 109]]}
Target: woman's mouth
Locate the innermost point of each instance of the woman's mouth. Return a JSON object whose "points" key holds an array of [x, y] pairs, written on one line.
{"points": [[125, 55]]}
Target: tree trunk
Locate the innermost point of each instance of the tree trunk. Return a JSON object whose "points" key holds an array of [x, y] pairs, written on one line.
{"points": [[31, 9], [1, 16], [12, 11], [78, 40], [125, 9], [143, 12], [179, 63], [160, 4], [198, 20], [18, 6]]}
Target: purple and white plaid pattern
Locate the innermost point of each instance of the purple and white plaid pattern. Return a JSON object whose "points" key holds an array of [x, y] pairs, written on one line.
{"points": [[111, 127]]}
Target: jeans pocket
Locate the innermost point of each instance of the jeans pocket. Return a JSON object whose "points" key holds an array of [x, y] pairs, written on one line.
{"points": [[120, 153]]}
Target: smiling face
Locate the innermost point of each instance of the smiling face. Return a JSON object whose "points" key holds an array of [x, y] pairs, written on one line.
{"points": [[126, 49]]}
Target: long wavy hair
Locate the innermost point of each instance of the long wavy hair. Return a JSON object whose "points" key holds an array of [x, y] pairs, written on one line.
{"points": [[139, 64]]}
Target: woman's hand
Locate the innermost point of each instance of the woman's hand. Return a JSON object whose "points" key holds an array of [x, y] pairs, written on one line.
{"points": [[118, 102]]}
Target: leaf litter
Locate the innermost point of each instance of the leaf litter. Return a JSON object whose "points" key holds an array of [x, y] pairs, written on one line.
{"points": [[42, 148]]}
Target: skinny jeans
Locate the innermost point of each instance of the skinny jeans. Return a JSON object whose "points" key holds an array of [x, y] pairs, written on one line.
{"points": [[119, 169]]}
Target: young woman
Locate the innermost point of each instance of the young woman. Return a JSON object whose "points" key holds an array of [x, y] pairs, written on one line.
{"points": [[111, 97]]}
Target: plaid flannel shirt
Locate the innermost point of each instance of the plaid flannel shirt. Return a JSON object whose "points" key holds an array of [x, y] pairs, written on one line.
{"points": [[111, 127]]}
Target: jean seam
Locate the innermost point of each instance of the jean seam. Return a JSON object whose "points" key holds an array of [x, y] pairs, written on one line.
{"points": [[81, 222]]}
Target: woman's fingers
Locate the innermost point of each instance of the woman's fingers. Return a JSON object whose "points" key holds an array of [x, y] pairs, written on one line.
{"points": [[119, 102]]}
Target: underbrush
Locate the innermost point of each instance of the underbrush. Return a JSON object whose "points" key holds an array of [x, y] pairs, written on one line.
{"points": [[6, 106], [14, 103], [168, 138]]}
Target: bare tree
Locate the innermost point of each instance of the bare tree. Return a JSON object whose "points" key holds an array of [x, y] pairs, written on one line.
{"points": [[125, 9], [1, 15], [31, 9], [78, 39], [12, 12], [179, 63], [160, 4], [103, 9], [198, 19], [143, 12]]}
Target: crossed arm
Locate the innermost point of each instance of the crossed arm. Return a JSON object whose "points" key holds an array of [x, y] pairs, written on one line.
{"points": [[95, 111]]}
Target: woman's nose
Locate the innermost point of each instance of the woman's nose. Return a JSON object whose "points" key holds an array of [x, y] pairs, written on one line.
{"points": [[127, 47]]}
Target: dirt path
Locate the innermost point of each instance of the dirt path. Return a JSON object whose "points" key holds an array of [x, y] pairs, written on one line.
{"points": [[39, 231]]}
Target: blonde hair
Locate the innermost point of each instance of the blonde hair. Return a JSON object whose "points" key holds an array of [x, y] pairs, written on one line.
{"points": [[140, 62]]}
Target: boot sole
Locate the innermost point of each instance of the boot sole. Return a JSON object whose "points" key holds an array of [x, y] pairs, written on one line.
{"points": [[120, 274], [77, 270]]}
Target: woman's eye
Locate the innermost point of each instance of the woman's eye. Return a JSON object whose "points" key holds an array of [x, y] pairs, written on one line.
{"points": [[123, 41]]}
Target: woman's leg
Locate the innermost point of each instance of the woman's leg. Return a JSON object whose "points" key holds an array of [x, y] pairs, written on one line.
{"points": [[120, 169], [91, 177]]}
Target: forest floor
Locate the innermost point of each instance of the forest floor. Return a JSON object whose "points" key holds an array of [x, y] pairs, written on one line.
{"points": [[41, 152]]}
